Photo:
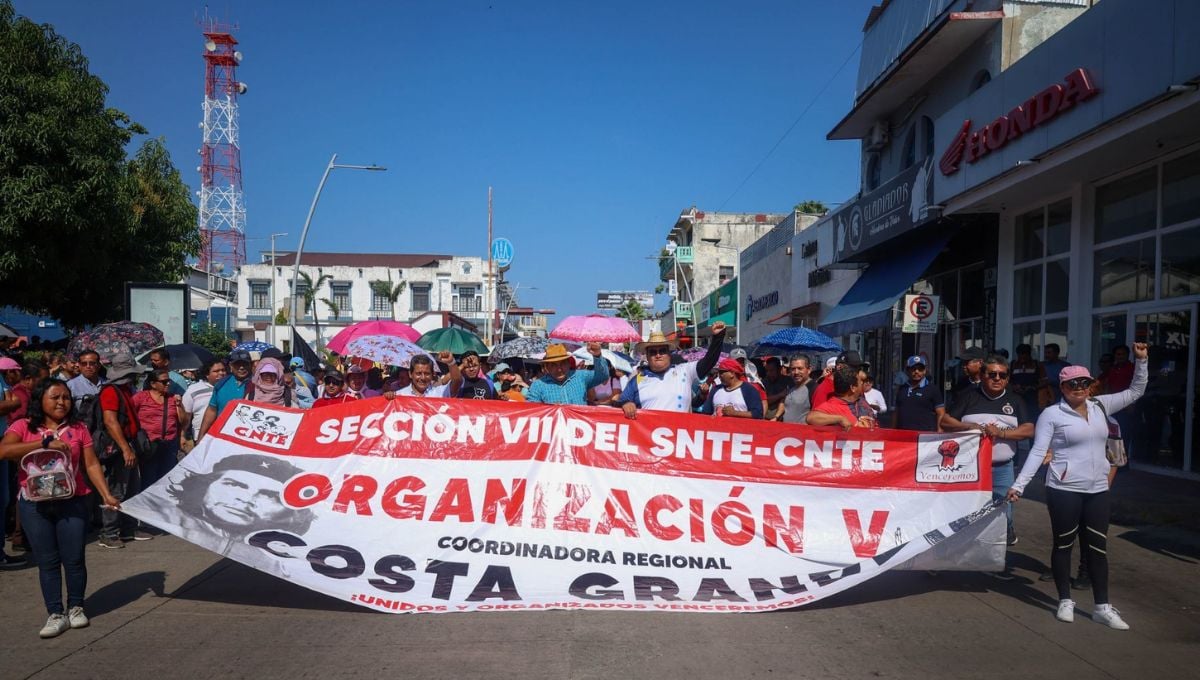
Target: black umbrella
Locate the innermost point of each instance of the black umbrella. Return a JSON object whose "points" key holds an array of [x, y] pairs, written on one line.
{"points": [[185, 357]]}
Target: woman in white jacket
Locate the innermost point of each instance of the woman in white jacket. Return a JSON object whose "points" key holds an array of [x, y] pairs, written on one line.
{"points": [[1076, 430]]}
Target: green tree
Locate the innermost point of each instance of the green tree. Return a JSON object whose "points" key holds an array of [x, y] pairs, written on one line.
{"points": [[811, 208], [311, 288], [76, 219], [391, 292], [334, 310], [632, 311], [212, 337]]}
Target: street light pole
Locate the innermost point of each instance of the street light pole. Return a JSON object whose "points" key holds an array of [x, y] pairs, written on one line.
{"points": [[271, 294], [333, 164]]}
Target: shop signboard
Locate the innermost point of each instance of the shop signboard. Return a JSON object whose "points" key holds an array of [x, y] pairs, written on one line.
{"points": [[920, 314], [894, 208]]}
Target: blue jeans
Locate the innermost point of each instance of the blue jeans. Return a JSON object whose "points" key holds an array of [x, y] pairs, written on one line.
{"points": [[55, 531], [160, 463], [1002, 480]]}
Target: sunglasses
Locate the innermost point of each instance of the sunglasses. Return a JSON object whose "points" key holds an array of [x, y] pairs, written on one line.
{"points": [[333, 381], [655, 351], [89, 363], [161, 382], [998, 375], [1078, 383]]}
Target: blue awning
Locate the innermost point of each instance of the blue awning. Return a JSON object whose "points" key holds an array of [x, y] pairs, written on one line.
{"points": [[868, 303]]}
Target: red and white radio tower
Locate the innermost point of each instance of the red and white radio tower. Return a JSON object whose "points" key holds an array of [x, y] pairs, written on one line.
{"points": [[222, 209]]}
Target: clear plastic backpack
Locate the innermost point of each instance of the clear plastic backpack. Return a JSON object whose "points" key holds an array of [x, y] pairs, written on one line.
{"points": [[50, 475]]}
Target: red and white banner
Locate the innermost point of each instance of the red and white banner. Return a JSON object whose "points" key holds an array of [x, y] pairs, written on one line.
{"points": [[416, 505]]}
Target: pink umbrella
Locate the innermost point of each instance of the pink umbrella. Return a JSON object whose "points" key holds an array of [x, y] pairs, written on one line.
{"points": [[595, 328], [393, 328]]}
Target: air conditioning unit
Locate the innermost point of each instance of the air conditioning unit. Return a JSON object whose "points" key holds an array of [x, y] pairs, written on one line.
{"points": [[877, 136]]}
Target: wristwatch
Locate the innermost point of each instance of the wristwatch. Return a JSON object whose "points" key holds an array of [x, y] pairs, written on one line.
{"points": [[46, 439]]}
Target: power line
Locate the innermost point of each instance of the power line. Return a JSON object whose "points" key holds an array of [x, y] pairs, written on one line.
{"points": [[793, 125]]}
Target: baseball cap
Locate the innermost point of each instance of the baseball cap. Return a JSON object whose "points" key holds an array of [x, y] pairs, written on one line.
{"points": [[8, 364], [738, 353], [501, 367], [239, 355], [973, 354], [355, 369], [1072, 372], [335, 376], [915, 360], [296, 361], [850, 358], [831, 362], [268, 367], [272, 353]]}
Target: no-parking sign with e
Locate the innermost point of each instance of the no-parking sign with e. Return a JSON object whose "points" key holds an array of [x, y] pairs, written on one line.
{"points": [[920, 313]]}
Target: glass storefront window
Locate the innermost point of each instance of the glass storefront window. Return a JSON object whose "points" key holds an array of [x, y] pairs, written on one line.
{"points": [[1124, 273], [1027, 291], [1058, 228], [1029, 230], [1056, 331], [1181, 263], [1109, 331], [1058, 284], [1127, 206], [1027, 333], [1181, 190]]}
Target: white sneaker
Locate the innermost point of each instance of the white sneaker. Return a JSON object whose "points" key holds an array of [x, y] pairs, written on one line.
{"points": [[56, 625], [77, 618], [1109, 616], [1066, 611]]}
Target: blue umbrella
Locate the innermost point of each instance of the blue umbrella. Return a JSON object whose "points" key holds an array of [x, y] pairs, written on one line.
{"points": [[254, 346], [798, 338]]}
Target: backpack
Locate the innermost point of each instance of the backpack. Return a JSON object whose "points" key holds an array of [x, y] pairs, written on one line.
{"points": [[50, 476], [106, 447]]}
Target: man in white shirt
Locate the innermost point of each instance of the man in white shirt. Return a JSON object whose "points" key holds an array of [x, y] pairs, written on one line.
{"points": [[661, 386], [89, 381], [874, 397]]}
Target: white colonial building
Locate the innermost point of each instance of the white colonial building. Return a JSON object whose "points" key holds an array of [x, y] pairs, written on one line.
{"points": [[436, 291]]}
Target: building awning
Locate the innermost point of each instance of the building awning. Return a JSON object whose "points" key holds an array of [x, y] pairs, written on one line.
{"points": [[869, 301]]}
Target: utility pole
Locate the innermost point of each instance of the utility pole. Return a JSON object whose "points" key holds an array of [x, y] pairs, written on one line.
{"points": [[271, 295]]}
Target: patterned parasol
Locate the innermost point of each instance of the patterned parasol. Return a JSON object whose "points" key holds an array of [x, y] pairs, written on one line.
{"points": [[379, 327], [386, 349], [796, 339], [253, 346], [595, 328], [108, 339], [524, 348]]}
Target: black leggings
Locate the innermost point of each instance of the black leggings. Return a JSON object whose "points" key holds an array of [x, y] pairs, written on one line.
{"points": [[1072, 512]]}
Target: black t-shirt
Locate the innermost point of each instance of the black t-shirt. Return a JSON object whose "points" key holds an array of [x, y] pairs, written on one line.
{"points": [[1007, 411], [477, 388], [915, 407]]}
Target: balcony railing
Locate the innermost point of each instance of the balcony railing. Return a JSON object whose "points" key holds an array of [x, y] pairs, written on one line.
{"points": [[666, 264]]}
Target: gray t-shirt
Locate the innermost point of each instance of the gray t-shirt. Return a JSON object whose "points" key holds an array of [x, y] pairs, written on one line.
{"points": [[797, 404]]}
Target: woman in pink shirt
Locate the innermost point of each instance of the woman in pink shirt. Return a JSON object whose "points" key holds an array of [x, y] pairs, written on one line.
{"points": [[160, 415], [56, 528]]}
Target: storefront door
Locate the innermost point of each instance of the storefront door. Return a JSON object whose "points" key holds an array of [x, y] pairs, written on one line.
{"points": [[1164, 419]]}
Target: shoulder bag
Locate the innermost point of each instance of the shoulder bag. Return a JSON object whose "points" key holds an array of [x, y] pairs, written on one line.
{"points": [[1114, 446]]}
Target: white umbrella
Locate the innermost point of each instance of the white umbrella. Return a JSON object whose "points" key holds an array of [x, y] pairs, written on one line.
{"points": [[613, 358]]}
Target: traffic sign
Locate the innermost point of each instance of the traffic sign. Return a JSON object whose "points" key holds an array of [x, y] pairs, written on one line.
{"points": [[502, 253], [920, 314]]}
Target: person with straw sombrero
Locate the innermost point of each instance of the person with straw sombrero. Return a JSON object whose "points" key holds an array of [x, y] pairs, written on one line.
{"points": [[561, 383], [660, 386]]}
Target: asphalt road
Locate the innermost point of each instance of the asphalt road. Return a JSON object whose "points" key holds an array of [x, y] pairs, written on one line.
{"points": [[166, 609]]}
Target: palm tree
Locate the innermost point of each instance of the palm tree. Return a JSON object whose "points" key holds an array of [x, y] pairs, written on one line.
{"points": [[391, 292], [333, 307], [310, 298]]}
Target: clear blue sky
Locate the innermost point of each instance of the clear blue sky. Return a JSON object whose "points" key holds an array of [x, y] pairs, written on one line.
{"points": [[595, 122]]}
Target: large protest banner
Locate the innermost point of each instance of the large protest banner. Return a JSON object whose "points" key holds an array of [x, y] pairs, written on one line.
{"points": [[415, 505]]}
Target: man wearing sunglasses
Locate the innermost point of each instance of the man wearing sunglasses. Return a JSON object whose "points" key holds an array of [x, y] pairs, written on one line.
{"points": [[661, 386], [335, 392], [919, 405], [994, 411], [89, 381]]}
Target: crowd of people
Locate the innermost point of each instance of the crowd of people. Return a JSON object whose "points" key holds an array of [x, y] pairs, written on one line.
{"points": [[123, 425]]}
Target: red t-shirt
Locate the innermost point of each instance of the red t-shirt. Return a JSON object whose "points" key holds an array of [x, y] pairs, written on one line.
{"points": [[21, 392], [1119, 377], [75, 434], [109, 400], [333, 401], [150, 415], [823, 392], [837, 407]]}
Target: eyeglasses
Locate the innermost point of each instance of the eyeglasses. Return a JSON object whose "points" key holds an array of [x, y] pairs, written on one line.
{"points": [[655, 351], [998, 375], [1078, 383]]}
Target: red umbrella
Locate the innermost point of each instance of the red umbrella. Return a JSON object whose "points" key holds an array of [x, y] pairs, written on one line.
{"points": [[363, 328], [595, 328]]}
